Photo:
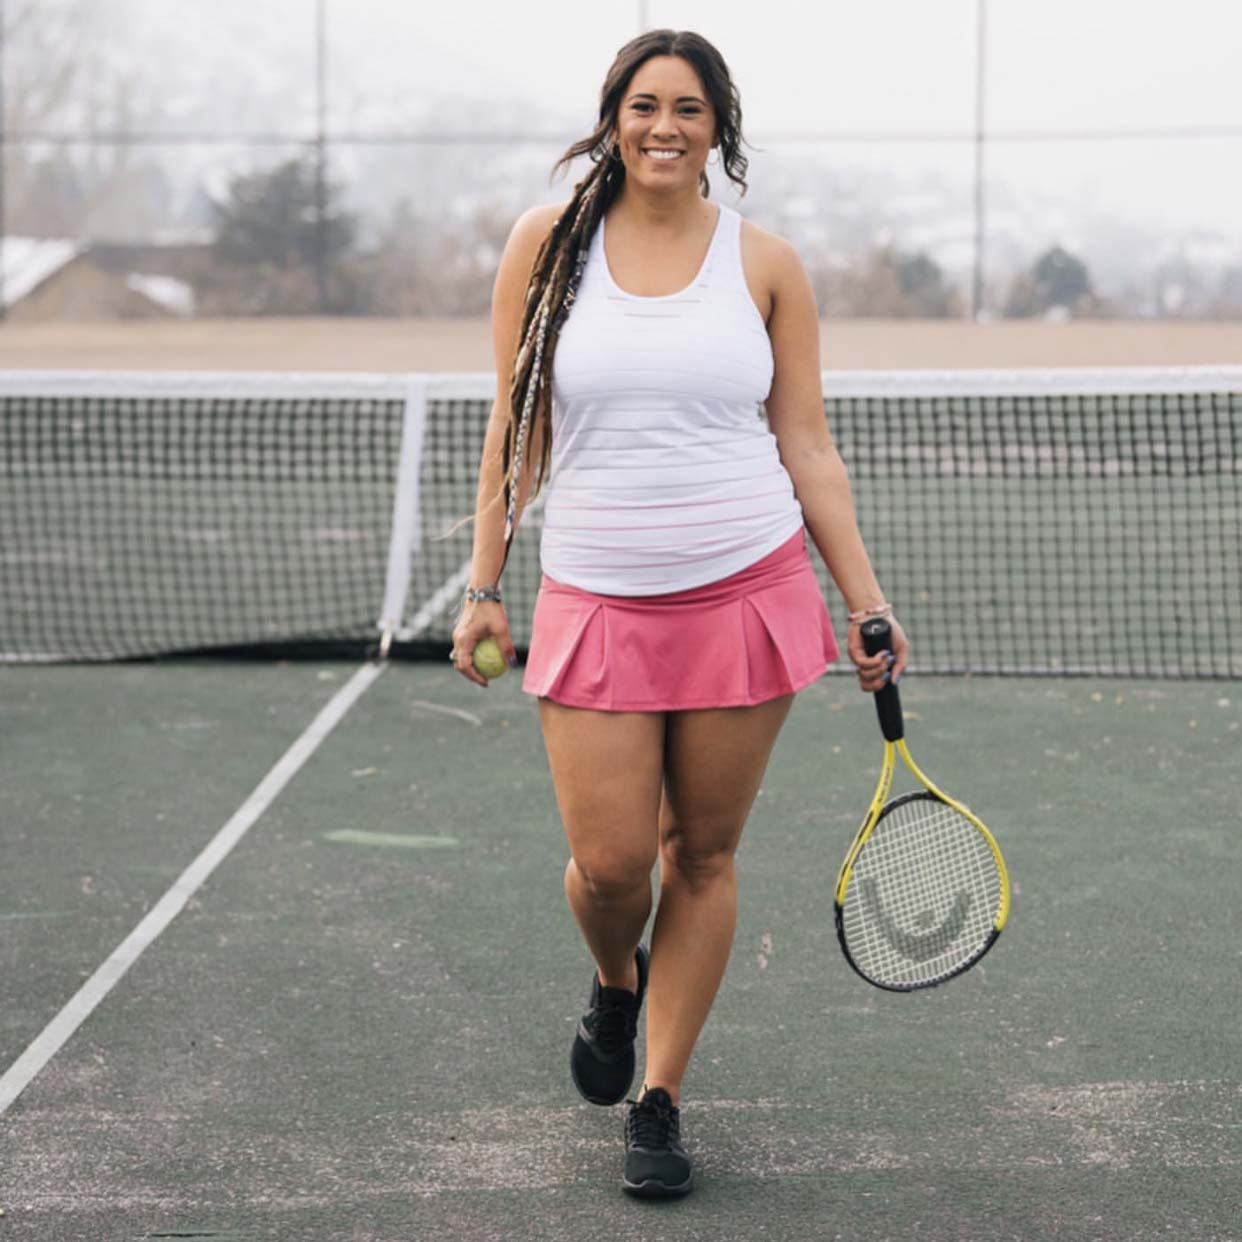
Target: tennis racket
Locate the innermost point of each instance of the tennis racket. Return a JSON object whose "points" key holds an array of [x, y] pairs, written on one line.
{"points": [[923, 892]]}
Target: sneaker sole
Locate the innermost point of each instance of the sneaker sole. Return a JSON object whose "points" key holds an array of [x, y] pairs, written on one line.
{"points": [[656, 1190], [598, 1099]]}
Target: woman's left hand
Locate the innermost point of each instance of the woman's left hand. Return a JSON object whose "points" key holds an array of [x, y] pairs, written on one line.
{"points": [[874, 671]]}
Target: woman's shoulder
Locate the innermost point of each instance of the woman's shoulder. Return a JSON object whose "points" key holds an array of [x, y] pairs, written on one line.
{"points": [[527, 235], [535, 223], [513, 275], [771, 254], [771, 265]]}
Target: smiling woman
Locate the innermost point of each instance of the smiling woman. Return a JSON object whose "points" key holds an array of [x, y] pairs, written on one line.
{"points": [[655, 96], [639, 330]]}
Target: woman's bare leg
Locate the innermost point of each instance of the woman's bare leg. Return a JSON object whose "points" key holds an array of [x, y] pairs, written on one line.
{"points": [[607, 771], [713, 765]]}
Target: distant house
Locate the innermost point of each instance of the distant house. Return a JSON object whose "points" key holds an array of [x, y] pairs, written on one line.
{"points": [[55, 279]]}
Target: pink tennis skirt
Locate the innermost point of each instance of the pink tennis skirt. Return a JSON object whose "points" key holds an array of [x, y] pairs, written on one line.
{"points": [[755, 635]]}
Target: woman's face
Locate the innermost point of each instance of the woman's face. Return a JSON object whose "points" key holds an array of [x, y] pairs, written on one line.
{"points": [[665, 108]]}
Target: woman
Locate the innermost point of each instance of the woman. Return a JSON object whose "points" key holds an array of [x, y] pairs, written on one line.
{"points": [[637, 330]]}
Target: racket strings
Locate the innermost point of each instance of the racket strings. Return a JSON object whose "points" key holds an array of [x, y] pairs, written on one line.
{"points": [[923, 897]]}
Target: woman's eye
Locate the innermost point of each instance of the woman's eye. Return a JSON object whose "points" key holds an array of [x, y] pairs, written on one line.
{"points": [[646, 107]]}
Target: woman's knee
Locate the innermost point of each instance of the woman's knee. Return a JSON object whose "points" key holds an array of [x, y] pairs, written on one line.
{"points": [[611, 875], [698, 861]]}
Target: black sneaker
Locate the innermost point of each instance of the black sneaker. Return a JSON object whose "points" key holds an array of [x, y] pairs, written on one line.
{"points": [[656, 1164], [602, 1060]]}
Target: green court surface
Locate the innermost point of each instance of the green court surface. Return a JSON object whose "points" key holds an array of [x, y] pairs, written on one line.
{"points": [[358, 1027]]}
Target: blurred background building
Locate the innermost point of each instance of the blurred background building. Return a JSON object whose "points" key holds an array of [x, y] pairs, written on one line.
{"points": [[942, 159]]}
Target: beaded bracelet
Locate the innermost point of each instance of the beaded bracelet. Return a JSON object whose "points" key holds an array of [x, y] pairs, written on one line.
{"points": [[862, 614], [476, 595]]}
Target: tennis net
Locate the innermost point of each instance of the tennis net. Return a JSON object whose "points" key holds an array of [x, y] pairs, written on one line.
{"points": [[1061, 522]]}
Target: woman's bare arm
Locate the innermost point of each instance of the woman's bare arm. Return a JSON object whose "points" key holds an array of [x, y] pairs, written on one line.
{"points": [[508, 304], [795, 409]]}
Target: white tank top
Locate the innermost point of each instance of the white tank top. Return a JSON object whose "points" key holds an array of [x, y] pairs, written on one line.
{"points": [[664, 476]]}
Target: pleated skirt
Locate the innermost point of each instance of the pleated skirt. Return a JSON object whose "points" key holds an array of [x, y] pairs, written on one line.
{"points": [[755, 635]]}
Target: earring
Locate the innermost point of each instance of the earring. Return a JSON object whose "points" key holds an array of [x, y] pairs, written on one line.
{"points": [[615, 152], [716, 153]]}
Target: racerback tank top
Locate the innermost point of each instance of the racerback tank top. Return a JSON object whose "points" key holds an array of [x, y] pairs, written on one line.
{"points": [[664, 475]]}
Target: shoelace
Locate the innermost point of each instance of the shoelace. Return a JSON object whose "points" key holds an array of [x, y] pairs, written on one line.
{"points": [[649, 1124], [613, 1026]]}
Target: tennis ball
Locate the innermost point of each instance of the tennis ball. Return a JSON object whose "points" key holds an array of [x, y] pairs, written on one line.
{"points": [[489, 660]]}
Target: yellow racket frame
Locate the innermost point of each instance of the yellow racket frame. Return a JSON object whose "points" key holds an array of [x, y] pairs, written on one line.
{"points": [[878, 801]]}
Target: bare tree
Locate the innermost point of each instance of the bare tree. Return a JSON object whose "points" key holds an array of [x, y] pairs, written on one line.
{"points": [[1058, 284], [44, 45], [43, 69], [59, 79], [886, 283]]}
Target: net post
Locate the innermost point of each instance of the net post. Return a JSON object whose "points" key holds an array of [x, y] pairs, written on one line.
{"points": [[407, 536]]}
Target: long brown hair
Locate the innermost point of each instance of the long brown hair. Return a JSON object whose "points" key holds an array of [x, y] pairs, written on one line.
{"points": [[559, 263]]}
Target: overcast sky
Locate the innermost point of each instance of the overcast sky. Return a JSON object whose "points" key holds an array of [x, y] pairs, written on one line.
{"points": [[908, 65], [811, 67], [899, 64]]}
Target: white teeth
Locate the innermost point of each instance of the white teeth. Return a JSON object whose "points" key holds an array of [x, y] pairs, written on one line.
{"points": [[664, 155]]}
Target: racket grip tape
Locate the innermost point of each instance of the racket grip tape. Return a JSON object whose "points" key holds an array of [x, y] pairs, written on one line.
{"points": [[876, 635]]}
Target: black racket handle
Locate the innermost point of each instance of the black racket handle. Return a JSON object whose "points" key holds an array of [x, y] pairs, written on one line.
{"points": [[876, 635]]}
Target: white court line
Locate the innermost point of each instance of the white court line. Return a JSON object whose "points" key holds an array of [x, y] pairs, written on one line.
{"points": [[459, 713], [79, 1007]]}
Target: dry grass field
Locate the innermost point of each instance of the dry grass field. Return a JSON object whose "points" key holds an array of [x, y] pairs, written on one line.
{"points": [[365, 344]]}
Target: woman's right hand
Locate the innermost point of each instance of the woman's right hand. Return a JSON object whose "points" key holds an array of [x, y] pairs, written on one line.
{"points": [[874, 672], [477, 622]]}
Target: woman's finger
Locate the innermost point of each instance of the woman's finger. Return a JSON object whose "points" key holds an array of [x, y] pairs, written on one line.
{"points": [[462, 656], [481, 624], [505, 642], [874, 671], [463, 662], [874, 663]]}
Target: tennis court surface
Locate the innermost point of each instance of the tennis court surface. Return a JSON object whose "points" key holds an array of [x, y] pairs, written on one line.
{"points": [[358, 1026], [285, 948]]}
